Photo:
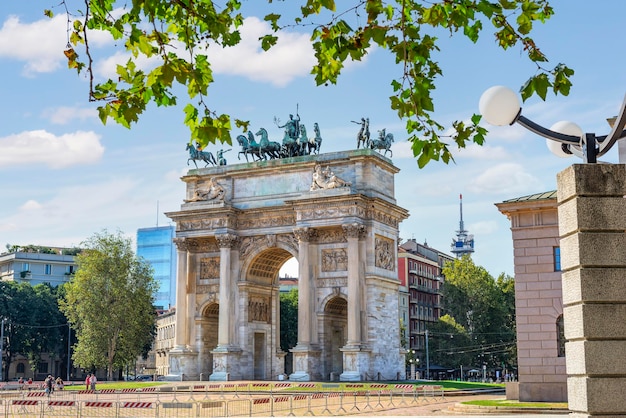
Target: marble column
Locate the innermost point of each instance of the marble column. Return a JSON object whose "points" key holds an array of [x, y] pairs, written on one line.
{"points": [[183, 360], [352, 363], [180, 342], [592, 221], [352, 232], [225, 355], [303, 358]]}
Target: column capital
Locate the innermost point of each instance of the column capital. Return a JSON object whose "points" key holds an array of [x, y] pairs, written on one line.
{"points": [[353, 230], [182, 244], [226, 240], [304, 234]]}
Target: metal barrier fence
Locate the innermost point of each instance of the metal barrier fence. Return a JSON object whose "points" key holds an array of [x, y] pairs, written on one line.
{"points": [[199, 401]]}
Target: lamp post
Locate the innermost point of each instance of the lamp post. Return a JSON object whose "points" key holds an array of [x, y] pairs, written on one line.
{"points": [[500, 106], [591, 222], [1, 349]]}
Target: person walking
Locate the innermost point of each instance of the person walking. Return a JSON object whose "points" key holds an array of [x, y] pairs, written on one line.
{"points": [[87, 381], [49, 385], [93, 380]]}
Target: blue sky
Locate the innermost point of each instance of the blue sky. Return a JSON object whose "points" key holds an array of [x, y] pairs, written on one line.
{"points": [[66, 176]]}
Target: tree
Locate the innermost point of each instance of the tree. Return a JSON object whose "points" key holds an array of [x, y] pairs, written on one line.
{"points": [[176, 35], [484, 308], [109, 303], [289, 319], [450, 344], [33, 323]]}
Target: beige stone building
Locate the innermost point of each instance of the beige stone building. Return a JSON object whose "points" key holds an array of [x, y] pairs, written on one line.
{"points": [[538, 296]]}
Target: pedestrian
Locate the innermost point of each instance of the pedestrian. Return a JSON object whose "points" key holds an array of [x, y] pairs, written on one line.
{"points": [[48, 384], [93, 382], [87, 381]]}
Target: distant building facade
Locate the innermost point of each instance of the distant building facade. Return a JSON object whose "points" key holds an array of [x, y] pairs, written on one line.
{"points": [[538, 297], [156, 246], [52, 265], [419, 272]]}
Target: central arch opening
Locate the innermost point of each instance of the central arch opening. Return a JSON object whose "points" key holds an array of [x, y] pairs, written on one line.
{"points": [[272, 293]]}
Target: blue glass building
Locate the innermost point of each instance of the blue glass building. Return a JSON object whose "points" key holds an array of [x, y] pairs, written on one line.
{"points": [[156, 246]]}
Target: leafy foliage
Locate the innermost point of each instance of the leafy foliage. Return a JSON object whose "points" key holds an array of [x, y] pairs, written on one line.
{"points": [[109, 303], [176, 36], [289, 319], [33, 322], [480, 312]]}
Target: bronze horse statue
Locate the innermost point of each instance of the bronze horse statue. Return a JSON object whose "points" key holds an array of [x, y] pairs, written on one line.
{"points": [[195, 155], [249, 146], [267, 147], [383, 142]]}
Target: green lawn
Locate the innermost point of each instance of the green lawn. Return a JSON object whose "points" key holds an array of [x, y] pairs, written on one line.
{"points": [[116, 385]]}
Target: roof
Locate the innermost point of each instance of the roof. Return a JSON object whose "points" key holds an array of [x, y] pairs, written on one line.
{"points": [[536, 196]]}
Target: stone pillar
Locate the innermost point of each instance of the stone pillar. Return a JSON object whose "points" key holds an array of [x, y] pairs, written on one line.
{"points": [[352, 362], [183, 360], [225, 355], [181, 294], [302, 358], [592, 221], [352, 232]]}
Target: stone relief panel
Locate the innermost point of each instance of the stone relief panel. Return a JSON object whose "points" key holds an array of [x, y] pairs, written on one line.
{"points": [[331, 212], [289, 240], [384, 252], [193, 224], [334, 259], [336, 282], [209, 190], [264, 222], [209, 289], [383, 217], [210, 268], [330, 236], [258, 308], [202, 246]]}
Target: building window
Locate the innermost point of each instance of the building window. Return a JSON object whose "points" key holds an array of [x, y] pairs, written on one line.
{"points": [[556, 251], [42, 367], [20, 368], [560, 336], [47, 269], [69, 269], [25, 266]]}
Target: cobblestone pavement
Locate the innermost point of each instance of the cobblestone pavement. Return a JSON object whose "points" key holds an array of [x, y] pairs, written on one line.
{"points": [[438, 408]]}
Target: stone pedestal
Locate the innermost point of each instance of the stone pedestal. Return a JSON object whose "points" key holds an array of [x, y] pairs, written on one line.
{"points": [[355, 365], [184, 363], [305, 365], [226, 365], [592, 221]]}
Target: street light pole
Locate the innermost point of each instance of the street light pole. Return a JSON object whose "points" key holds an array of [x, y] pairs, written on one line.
{"points": [[69, 358], [427, 358], [500, 106], [1, 349]]}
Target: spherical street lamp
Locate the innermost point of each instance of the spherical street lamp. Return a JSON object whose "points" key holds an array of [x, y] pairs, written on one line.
{"points": [[500, 106]]}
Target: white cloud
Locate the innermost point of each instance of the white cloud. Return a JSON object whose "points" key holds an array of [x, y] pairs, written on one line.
{"points": [[41, 147], [39, 44], [64, 114], [483, 227], [402, 150], [291, 57], [506, 178], [481, 152], [31, 205]]}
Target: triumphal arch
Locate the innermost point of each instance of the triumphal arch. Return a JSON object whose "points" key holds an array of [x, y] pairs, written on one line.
{"points": [[337, 215]]}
